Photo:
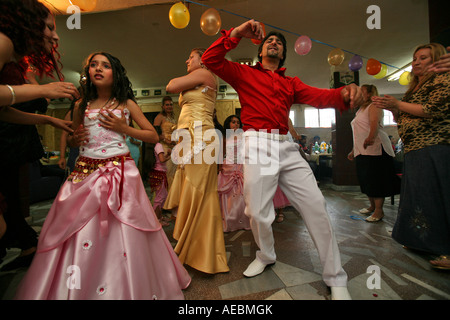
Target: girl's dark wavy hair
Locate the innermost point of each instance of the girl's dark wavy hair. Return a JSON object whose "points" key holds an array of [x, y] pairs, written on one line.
{"points": [[23, 22], [122, 87]]}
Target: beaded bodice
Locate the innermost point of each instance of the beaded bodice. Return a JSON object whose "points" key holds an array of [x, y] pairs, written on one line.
{"points": [[103, 143]]}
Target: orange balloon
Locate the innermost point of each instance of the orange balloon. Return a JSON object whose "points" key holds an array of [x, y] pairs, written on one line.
{"points": [[336, 57], [210, 22], [257, 42], [373, 67]]}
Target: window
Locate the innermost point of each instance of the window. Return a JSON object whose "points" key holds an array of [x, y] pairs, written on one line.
{"points": [[319, 118], [292, 117], [388, 118]]}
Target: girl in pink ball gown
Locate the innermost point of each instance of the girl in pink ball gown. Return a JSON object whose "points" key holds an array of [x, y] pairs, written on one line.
{"points": [[101, 238], [231, 179]]}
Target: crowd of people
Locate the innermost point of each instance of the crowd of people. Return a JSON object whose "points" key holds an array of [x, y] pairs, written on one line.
{"points": [[102, 219]]}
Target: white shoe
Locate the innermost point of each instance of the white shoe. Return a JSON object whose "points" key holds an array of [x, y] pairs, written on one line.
{"points": [[255, 268], [340, 293], [365, 211]]}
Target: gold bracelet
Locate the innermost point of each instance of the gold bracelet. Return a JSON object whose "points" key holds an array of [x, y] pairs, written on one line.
{"points": [[13, 99]]}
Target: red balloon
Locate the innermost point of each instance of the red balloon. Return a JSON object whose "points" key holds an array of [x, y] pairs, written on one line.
{"points": [[373, 67], [257, 42]]}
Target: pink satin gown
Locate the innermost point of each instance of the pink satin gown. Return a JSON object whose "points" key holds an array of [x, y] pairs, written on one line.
{"points": [[101, 238], [231, 189]]}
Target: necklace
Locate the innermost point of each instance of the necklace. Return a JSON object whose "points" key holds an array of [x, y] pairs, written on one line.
{"points": [[88, 108]]}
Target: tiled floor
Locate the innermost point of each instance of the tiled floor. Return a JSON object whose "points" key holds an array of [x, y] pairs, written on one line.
{"points": [[365, 247]]}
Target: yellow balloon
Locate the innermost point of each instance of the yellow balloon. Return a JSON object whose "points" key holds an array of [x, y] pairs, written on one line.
{"points": [[336, 57], [210, 22], [85, 5], [404, 78], [382, 73], [179, 15]]}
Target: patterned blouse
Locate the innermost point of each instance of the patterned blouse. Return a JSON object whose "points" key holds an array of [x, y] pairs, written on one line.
{"points": [[418, 132]]}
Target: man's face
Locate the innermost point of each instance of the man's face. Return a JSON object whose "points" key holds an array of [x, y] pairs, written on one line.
{"points": [[272, 48]]}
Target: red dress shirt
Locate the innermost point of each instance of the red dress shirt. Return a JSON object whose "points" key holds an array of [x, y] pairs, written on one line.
{"points": [[265, 96]]}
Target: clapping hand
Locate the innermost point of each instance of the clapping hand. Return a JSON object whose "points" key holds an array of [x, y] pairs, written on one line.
{"points": [[387, 102], [442, 65]]}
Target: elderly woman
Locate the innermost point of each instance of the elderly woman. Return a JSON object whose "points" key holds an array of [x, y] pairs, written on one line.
{"points": [[423, 118]]}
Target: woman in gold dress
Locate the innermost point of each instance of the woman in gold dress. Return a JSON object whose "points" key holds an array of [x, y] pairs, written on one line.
{"points": [[166, 120], [198, 228]]}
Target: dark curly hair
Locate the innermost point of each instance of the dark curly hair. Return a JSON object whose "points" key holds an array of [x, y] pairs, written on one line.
{"points": [[23, 22], [122, 87]]}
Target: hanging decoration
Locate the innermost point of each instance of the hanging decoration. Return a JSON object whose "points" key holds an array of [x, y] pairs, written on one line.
{"points": [[303, 45], [179, 15], [355, 63], [210, 22], [382, 73], [336, 57], [405, 78], [373, 66]]}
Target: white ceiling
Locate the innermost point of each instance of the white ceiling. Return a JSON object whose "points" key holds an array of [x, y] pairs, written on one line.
{"points": [[153, 51]]}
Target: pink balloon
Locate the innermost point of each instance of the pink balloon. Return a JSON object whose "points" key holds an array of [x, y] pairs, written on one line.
{"points": [[303, 45]]}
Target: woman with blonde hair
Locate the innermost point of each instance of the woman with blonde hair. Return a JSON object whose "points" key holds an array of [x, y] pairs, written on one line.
{"points": [[374, 156], [193, 195], [423, 120], [166, 120]]}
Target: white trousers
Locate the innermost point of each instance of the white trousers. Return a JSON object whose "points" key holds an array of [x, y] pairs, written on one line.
{"points": [[269, 163]]}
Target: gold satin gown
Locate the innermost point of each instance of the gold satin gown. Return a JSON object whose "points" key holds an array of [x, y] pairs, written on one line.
{"points": [[198, 227]]}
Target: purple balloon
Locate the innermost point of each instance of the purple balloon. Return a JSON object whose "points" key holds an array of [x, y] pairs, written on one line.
{"points": [[303, 45], [355, 63]]}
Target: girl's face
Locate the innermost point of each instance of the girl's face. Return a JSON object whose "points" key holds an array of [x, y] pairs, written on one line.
{"points": [[193, 62], [235, 123], [50, 36], [100, 71]]}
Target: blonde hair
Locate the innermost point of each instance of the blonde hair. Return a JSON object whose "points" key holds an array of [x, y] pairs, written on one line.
{"points": [[437, 50], [371, 91]]}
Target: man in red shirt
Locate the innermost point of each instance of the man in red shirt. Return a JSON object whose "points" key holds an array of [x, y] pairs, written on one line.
{"points": [[266, 96]]}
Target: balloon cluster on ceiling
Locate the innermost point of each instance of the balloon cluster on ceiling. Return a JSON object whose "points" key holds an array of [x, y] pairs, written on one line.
{"points": [[210, 24]]}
